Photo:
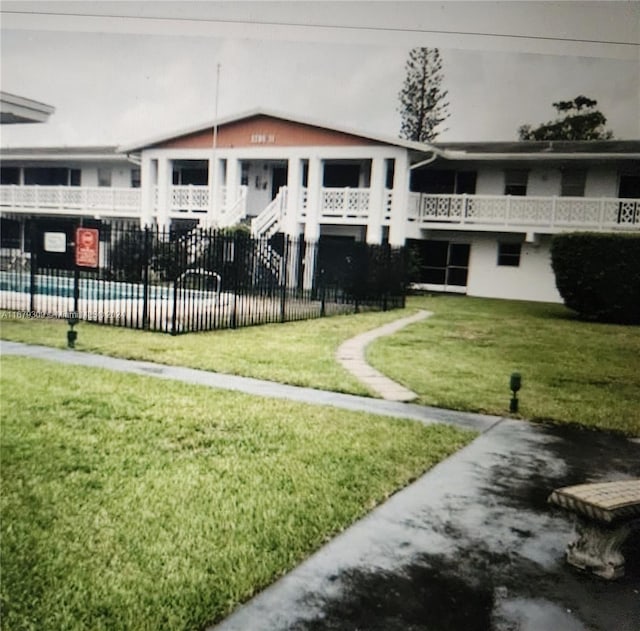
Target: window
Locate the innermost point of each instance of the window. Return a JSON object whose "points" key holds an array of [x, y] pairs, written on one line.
{"points": [[515, 182], [629, 186], [46, 176], [104, 177], [466, 182], [135, 178], [509, 254], [573, 182], [442, 262], [9, 175], [341, 175], [75, 176]]}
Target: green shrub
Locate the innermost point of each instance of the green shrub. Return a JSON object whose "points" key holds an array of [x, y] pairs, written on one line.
{"points": [[598, 275]]}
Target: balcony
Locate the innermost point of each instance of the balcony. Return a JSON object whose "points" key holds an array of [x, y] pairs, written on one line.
{"points": [[71, 200], [548, 214]]}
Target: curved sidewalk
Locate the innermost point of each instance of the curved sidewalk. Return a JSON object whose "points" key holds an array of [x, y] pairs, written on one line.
{"points": [[351, 354], [258, 387]]}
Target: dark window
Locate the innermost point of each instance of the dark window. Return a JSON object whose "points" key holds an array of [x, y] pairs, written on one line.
{"points": [[573, 182], [135, 178], [433, 182], [46, 176], [75, 177], [442, 262], [9, 175], [438, 182], [341, 175], [515, 182], [466, 182], [509, 254], [390, 164], [9, 233], [629, 186], [458, 264]]}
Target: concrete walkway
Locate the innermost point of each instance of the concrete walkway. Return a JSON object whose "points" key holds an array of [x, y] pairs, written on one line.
{"points": [[470, 546], [257, 387], [351, 354]]}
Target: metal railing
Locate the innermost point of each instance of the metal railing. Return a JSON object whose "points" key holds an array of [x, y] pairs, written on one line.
{"points": [[178, 282]]}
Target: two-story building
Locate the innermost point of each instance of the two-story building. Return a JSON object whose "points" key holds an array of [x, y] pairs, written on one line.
{"points": [[478, 216]]}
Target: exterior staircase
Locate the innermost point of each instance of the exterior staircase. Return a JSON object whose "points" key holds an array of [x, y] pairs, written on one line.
{"points": [[267, 223]]}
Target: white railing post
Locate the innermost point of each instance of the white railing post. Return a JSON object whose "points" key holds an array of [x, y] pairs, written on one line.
{"points": [[602, 208], [507, 212], [554, 201], [463, 210]]}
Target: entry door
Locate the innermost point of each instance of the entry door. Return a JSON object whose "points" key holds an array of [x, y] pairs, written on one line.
{"points": [[278, 179]]}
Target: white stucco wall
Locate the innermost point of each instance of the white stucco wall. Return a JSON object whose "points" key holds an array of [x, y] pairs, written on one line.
{"points": [[260, 174], [532, 280]]}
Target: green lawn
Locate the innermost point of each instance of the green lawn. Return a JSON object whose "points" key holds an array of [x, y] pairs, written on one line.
{"points": [[299, 353], [134, 503], [572, 371]]}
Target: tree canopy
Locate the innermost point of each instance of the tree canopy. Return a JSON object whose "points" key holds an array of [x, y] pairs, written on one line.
{"points": [[578, 119], [423, 104]]}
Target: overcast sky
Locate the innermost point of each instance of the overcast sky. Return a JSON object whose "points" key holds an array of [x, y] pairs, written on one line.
{"points": [[146, 68]]}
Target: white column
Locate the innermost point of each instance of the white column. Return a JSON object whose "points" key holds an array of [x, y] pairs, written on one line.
{"points": [[215, 182], [164, 192], [314, 212], [290, 223], [148, 182], [232, 182], [398, 225], [314, 200], [376, 201], [294, 198]]}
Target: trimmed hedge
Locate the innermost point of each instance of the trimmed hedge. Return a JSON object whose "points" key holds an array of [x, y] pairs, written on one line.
{"points": [[598, 275]]}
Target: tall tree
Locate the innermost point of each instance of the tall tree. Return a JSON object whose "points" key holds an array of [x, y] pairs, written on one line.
{"points": [[423, 104], [577, 120]]}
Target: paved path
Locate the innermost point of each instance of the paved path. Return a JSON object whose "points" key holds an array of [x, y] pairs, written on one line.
{"points": [[351, 354], [257, 387], [472, 545]]}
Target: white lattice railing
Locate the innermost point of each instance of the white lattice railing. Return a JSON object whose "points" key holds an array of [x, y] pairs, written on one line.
{"points": [[559, 213], [189, 198], [267, 223], [346, 204], [71, 198]]}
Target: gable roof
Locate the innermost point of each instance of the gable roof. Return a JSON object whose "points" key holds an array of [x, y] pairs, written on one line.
{"points": [[387, 140]]}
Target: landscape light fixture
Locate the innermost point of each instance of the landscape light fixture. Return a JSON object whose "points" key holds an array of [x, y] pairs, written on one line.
{"points": [[72, 335], [515, 383]]}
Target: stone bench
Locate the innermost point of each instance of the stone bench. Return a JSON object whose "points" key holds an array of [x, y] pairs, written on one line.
{"points": [[606, 514]]}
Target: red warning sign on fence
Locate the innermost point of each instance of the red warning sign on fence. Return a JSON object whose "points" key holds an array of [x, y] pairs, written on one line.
{"points": [[87, 247]]}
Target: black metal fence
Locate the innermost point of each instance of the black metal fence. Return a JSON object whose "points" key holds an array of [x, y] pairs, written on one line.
{"points": [[196, 280]]}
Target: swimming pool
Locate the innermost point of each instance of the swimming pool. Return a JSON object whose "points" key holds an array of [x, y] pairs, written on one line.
{"points": [[94, 289]]}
